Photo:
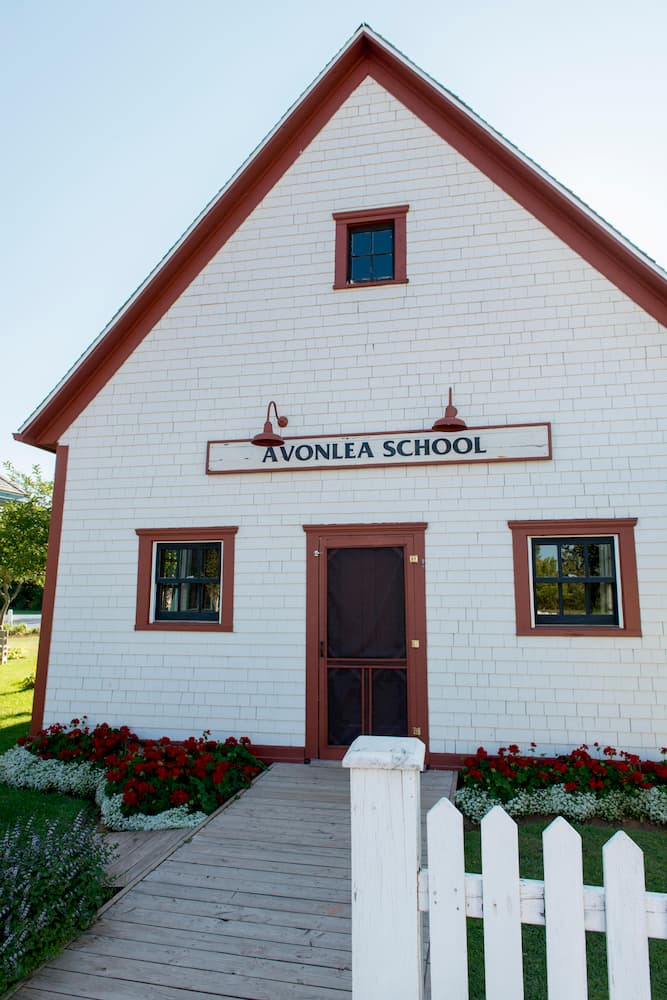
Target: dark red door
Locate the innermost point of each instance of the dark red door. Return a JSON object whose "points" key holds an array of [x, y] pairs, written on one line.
{"points": [[370, 670]]}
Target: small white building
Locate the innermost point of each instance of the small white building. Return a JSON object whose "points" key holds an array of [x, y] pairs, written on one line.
{"points": [[376, 565]]}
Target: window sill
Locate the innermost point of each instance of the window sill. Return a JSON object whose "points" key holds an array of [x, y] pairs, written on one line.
{"points": [[370, 284], [581, 630], [182, 626]]}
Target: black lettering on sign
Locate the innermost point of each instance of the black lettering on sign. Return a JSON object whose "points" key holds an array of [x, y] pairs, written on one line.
{"points": [[389, 449], [269, 454], [365, 450]]}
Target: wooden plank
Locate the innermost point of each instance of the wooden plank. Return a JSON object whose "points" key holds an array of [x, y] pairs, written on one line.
{"points": [[198, 960], [145, 973], [277, 942], [564, 912], [502, 913], [627, 939], [447, 903], [83, 986]]}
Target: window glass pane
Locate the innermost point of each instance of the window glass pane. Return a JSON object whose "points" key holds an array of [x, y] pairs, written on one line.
{"points": [[600, 559], [601, 598], [168, 563], [383, 240], [211, 597], [167, 598], [210, 562], [383, 267], [547, 599], [546, 559], [189, 597], [361, 242], [360, 269], [188, 562], [572, 560], [574, 598]]}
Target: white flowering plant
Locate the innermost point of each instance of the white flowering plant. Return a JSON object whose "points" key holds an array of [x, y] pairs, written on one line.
{"points": [[576, 785]]}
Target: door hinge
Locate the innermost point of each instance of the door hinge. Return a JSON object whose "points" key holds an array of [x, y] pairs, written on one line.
{"points": [[416, 730], [414, 643], [414, 559]]}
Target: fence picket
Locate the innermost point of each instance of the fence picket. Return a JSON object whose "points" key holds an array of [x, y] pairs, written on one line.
{"points": [[502, 909], [447, 903], [564, 912], [627, 941]]}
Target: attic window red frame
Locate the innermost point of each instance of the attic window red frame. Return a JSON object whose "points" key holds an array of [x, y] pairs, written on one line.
{"points": [[148, 539], [622, 529], [345, 221]]}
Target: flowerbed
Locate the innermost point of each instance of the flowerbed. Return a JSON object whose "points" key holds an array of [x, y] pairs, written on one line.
{"points": [[578, 785], [138, 784]]}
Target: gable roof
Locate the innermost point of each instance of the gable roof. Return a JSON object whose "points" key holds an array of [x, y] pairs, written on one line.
{"points": [[366, 54]]}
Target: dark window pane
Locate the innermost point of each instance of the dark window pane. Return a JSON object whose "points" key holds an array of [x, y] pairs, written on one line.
{"points": [[360, 269], [574, 598], [365, 603], [361, 242], [167, 598], [547, 599], [383, 267], [189, 597], [389, 713], [168, 563], [383, 240], [344, 705], [211, 597], [601, 598], [600, 562], [211, 562], [572, 560]]}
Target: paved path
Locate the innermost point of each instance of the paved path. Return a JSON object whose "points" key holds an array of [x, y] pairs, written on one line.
{"points": [[254, 905]]}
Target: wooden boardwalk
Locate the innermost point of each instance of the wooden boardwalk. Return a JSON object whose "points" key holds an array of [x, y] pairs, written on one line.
{"points": [[255, 905]]}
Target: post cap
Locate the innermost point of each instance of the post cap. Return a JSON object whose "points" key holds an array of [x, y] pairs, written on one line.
{"points": [[389, 753]]}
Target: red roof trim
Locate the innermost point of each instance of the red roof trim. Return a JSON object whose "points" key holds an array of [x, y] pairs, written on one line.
{"points": [[365, 56]]}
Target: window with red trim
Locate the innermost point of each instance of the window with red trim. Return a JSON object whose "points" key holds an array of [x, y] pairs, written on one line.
{"points": [[185, 579], [371, 247], [576, 577]]}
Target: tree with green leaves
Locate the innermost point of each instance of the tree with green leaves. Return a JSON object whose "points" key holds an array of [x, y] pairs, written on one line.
{"points": [[24, 534]]}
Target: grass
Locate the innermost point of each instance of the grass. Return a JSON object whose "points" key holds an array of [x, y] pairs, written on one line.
{"points": [[652, 843], [15, 712]]}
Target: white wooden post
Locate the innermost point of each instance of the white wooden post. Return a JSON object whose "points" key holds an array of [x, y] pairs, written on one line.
{"points": [[387, 956]]}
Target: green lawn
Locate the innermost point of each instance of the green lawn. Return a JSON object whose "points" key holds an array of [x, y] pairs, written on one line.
{"points": [[15, 695], [15, 712]]}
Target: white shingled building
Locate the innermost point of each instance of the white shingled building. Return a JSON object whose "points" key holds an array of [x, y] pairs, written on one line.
{"points": [[380, 563]]}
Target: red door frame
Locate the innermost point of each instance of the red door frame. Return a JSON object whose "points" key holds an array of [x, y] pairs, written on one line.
{"points": [[409, 536]]}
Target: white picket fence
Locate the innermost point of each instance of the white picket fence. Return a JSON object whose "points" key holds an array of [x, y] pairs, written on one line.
{"points": [[390, 891]]}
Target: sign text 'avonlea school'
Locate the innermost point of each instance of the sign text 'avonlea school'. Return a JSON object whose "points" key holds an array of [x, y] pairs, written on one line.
{"points": [[511, 443]]}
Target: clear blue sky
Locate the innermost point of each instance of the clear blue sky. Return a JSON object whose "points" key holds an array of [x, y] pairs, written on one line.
{"points": [[122, 118]]}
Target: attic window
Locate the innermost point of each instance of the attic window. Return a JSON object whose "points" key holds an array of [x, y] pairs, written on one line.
{"points": [[370, 247]]}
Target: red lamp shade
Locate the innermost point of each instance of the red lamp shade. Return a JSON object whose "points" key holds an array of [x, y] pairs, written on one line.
{"points": [[449, 422], [268, 437]]}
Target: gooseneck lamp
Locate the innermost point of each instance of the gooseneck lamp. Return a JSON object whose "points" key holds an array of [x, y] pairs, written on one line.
{"points": [[449, 422], [268, 437]]}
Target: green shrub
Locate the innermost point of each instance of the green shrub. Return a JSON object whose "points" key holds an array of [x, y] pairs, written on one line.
{"points": [[51, 886]]}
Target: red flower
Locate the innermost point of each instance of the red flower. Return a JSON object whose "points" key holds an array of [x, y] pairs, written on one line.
{"points": [[513, 748], [179, 797], [570, 786]]}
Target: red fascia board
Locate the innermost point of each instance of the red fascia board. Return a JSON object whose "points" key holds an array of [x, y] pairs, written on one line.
{"points": [[445, 117]]}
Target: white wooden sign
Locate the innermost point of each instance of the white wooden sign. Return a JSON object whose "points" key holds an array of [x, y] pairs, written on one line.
{"points": [[511, 443]]}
